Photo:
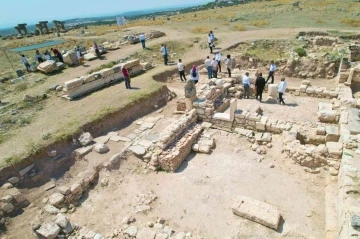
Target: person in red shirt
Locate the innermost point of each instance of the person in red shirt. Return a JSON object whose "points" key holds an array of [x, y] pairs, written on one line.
{"points": [[57, 54], [126, 77]]}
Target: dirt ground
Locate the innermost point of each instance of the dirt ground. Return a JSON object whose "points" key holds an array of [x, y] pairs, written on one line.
{"points": [[297, 109], [199, 195]]}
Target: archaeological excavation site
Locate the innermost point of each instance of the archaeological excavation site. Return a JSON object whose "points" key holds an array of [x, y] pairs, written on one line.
{"points": [[193, 161]]}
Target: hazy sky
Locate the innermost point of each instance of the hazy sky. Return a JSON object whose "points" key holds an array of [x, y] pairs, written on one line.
{"points": [[13, 12]]}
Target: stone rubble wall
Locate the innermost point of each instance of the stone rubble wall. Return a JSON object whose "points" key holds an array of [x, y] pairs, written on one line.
{"points": [[171, 158], [87, 83], [348, 178], [174, 130], [11, 201], [67, 197]]}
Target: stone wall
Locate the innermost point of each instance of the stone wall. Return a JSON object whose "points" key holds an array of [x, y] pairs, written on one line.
{"points": [[171, 158], [174, 130], [87, 83]]}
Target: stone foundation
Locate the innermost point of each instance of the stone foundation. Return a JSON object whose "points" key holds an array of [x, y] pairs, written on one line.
{"points": [[171, 158]]}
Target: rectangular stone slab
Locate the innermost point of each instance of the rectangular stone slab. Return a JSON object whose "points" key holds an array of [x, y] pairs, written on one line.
{"points": [[256, 211]]}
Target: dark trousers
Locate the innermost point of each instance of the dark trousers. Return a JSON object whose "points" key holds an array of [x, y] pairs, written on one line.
{"points": [[196, 81], [40, 60], [165, 59], [214, 74], [127, 82], [27, 67], [271, 74], [59, 56], [219, 66], [182, 75], [259, 92], [143, 44], [229, 71], [281, 98], [246, 91], [211, 47]]}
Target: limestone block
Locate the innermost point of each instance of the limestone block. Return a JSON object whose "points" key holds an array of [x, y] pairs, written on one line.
{"points": [[70, 58], [321, 130], [49, 230], [310, 90], [88, 78], [71, 84], [303, 88], [47, 66], [257, 211], [272, 90], [260, 126], [327, 116], [106, 72], [332, 133], [56, 199], [85, 139], [90, 56], [335, 149], [132, 63], [64, 190]]}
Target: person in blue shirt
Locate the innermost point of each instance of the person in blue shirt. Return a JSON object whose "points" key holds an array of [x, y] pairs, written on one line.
{"points": [[164, 51]]}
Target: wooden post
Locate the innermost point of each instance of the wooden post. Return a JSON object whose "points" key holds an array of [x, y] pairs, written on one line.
{"points": [[9, 60]]}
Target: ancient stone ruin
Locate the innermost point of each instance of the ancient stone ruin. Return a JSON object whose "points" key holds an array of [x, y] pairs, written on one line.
{"points": [[211, 162]]}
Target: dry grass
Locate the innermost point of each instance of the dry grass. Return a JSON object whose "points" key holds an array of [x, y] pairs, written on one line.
{"points": [[201, 30], [260, 23], [239, 27], [352, 22]]}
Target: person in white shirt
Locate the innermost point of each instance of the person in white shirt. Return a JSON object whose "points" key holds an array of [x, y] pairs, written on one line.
{"points": [[214, 65], [164, 51], [228, 63], [218, 58], [210, 44], [181, 68], [271, 72], [47, 56], [142, 38], [26, 63], [281, 89], [194, 74], [246, 83], [208, 67]]}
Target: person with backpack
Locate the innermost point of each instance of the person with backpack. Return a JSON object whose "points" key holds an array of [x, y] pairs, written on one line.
{"points": [[194, 74]]}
